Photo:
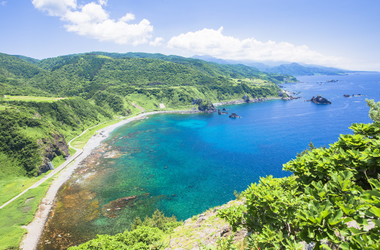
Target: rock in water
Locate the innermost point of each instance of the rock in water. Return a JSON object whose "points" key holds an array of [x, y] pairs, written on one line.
{"points": [[320, 100], [234, 115], [222, 112]]}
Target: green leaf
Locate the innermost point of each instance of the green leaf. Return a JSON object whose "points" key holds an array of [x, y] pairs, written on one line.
{"points": [[375, 211], [337, 218]]}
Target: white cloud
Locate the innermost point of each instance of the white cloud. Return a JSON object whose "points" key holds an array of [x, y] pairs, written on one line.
{"points": [[103, 2], [214, 43], [128, 17], [3, 3], [92, 20], [55, 7], [157, 42]]}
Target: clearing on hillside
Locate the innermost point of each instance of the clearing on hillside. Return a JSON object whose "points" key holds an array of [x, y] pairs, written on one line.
{"points": [[32, 98]]}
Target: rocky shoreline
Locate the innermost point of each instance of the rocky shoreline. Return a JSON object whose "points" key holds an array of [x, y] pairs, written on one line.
{"points": [[241, 101]]}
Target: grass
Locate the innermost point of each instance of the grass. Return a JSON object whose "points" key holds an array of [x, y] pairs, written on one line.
{"points": [[31, 98], [72, 151], [19, 213], [251, 81], [81, 141], [58, 160], [12, 186], [2, 107]]}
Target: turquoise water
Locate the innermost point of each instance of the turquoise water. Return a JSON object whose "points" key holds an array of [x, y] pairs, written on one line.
{"points": [[185, 164], [210, 156]]}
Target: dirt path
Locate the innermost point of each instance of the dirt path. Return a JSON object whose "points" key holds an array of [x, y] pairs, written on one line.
{"points": [[137, 106]]}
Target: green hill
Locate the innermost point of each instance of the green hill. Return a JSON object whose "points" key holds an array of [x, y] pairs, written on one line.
{"points": [[103, 85]]}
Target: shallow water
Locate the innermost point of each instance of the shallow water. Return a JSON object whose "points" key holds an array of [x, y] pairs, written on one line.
{"points": [[185, 164]]}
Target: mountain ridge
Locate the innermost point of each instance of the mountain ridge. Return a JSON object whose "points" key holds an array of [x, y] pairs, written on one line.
{"points": [[283, 67]]}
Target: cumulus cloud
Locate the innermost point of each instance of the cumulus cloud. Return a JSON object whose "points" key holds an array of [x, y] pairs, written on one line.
{"points": [[157, 42], [103, 2], [55, 7], [93, 21], [214, 43], [128, 17]]}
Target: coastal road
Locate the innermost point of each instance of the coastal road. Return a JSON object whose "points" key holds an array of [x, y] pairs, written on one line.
{"points": [[56, 170], [52, 173]]}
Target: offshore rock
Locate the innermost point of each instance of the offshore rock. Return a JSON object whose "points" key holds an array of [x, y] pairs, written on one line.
{"points": [[234, 115], [222, 112], [320, 100]]}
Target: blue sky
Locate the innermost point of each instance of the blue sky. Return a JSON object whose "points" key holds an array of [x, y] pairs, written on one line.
{"points": [[343, 34]]}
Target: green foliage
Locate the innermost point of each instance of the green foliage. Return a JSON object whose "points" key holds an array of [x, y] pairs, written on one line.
{"points": [[358, 153], [115, 102], [28, 127], [17, 148], [143, 235], [142, 238], [108, 78], [374, 112], [19, 213], [158, 220], [10, 166], [331, 189], [226, 243]]}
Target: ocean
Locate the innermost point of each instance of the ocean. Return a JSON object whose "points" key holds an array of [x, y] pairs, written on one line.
{"points": [[186, 164]]}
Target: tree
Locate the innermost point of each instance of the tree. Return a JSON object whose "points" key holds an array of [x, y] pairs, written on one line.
{"points": [[374, 112]]}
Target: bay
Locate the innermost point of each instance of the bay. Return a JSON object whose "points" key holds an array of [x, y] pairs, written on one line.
{"points": [[186, 164]]}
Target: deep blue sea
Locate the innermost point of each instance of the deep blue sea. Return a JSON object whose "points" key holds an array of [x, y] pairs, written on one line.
{"points": [[185, 164]]}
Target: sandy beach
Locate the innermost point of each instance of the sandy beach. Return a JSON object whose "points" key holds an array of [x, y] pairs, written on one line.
{"points": [[36, 227]]}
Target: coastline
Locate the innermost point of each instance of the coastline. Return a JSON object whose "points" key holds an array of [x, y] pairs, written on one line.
{"points": [[36, 227], [241, 101]]}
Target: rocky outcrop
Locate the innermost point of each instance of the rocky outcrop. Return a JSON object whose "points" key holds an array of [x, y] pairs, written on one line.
{"points": [[234, 115], [205, 229], [246, 98], [52, 147], [289, 98], [205, 106], [222, 112], [320, 100], [251, 100]]}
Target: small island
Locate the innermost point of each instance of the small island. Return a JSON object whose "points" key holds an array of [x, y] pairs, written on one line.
{"points": [[319, 100], [234, 115]]}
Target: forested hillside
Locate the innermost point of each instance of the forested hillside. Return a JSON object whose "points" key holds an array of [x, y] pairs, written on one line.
{"points": [[34, 133], [95, 87]]}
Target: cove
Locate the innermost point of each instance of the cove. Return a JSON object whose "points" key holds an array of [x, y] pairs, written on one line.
{"points": [[185, 164]]}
